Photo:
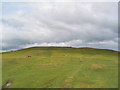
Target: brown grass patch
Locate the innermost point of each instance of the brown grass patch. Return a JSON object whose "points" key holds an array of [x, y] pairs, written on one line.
{"points": [[65, 54], [81, 60], [97, 66], [71, 77], [47, 65], [67, 85], [83, 85], [68, 80]]}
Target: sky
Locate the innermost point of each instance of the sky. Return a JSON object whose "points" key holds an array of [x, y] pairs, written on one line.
{"points": [[72, 24]]}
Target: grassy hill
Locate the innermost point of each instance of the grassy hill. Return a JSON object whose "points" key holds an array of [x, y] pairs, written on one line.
{"points": [[60, 67]]}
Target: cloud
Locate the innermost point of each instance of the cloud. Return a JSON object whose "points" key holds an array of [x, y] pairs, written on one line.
{"points": [[60, 24]]}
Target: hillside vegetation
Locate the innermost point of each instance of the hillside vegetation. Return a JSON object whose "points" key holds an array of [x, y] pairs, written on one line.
{"points": [[60, 67]]}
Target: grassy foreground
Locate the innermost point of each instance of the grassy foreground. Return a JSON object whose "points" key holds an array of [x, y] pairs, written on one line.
{"points": [[60, 67]]}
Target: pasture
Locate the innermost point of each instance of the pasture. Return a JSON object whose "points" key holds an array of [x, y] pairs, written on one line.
{"points": [[60, 67]]}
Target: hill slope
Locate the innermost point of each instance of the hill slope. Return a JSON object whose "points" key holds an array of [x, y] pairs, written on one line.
{"points": [[60, 67]]}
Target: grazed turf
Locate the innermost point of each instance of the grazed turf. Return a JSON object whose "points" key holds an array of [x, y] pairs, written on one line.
{"points": [[55, 67]]}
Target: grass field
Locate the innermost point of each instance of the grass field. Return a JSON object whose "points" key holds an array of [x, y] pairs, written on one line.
{"points": [[60, 67]]}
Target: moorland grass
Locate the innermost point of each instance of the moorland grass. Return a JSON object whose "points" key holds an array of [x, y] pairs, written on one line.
{"points": [[60, 67]]}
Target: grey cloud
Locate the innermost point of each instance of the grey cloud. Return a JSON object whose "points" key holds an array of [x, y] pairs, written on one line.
{"points": [[61, 24]]}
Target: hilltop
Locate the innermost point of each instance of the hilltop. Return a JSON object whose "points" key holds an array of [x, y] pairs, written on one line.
{"points": [[60, 67]]}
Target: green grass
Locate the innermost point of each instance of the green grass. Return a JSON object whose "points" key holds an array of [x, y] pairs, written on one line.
{"points": [[60, 67]]}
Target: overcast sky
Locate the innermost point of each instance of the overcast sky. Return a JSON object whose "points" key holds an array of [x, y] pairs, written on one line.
{"points": [[59, 24]]}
